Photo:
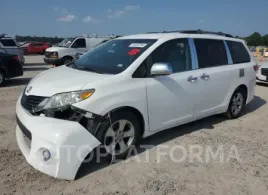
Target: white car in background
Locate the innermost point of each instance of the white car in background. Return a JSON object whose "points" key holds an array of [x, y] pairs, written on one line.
{"points": [[65, 52], [130, 88], [262, 74]]}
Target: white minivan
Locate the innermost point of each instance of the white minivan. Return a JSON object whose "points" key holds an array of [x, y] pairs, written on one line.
{"points": [[130, 88]]}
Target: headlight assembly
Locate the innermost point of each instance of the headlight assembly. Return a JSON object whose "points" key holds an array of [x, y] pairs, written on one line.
{"points": [[58, 101]]}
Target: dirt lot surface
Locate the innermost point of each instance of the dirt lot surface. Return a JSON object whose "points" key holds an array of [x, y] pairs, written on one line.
{"points": [[248, 135]]}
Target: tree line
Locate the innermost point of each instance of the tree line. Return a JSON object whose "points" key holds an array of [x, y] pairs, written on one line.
{"points": [[52, 40], [255, 39]]}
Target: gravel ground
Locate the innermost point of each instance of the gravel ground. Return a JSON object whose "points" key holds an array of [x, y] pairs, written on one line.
{"points": [[246, 175]]}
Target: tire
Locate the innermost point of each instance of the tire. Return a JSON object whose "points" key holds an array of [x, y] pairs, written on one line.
{"points": [[112, 143], [2, 78], [66, 60], [237, 104]]}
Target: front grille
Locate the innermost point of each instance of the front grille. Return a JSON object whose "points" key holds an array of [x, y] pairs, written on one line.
{"points": [[30, 102], [264, 71], [48, 54], [24, 130]]}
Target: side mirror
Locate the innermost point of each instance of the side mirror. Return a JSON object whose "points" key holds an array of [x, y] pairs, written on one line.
{"points": [[161, 68]]}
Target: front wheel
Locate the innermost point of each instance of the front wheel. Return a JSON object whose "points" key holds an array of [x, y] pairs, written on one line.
{"points": [[237, 104], [66, 60], [119, 133], [2, 78]]}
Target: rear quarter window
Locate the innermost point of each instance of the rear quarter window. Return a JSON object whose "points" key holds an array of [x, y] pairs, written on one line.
{"points": [[8, 42], [238, 52]]}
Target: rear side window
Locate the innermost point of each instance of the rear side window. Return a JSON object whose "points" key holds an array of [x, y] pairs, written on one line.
{"points": [[238, 52], [8, 42], [210, 53]]}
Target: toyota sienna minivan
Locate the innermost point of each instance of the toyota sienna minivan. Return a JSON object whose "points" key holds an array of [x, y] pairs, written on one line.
{"points": [[130, 88]]}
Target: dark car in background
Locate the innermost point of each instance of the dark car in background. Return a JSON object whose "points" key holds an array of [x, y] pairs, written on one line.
{"points": [[10, 66], [9, 45], [35, 47]]}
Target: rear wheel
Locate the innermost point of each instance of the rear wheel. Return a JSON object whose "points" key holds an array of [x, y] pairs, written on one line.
{"points": [[119, 133], [237, 104], [2, 77]]}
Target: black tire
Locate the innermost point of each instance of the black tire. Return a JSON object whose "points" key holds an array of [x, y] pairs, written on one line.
{"points": [[2, 78], [231, 114], [67, 60], [116, 116]]}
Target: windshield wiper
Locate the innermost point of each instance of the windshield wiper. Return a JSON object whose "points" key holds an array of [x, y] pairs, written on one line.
{"points": [[84, 68], [89, 69]]}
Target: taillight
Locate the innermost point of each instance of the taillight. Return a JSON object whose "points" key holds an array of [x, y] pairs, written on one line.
{"points": [[16, 58], [256, 67]]}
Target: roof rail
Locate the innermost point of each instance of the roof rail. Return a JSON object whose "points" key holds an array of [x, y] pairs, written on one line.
{"points": [[198, 31]]}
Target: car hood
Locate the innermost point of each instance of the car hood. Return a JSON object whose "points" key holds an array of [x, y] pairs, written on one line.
{"points": [[62, 79], [53, 49]]}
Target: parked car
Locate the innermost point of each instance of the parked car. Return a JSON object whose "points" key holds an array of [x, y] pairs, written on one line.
{"points": [[10, 67], [130, 88], [35, 47], [9, 45], [262, 74], [65, 52]]}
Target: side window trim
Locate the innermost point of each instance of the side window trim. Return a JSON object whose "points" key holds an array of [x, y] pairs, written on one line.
{"points": [[195, 64], [229, 57]]}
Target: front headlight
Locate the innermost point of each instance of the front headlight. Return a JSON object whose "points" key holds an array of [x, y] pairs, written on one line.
{"points": [[64, 99], [54, 55]]}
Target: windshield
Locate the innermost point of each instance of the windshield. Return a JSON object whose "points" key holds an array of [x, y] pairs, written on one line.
{"points": [[66, 42], [114, 56]]}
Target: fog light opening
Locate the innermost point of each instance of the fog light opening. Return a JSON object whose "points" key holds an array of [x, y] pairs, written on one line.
{"points": [[46, 154]]}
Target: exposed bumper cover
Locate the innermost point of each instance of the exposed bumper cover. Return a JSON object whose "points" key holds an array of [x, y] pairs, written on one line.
{"points": [[68, 142], [56, 61]]}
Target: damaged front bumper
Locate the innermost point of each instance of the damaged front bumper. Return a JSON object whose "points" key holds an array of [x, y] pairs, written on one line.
{"points": [[53, 146]]}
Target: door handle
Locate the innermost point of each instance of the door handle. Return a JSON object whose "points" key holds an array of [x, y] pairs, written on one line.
{"points": [[205, 76], [192, 79]]}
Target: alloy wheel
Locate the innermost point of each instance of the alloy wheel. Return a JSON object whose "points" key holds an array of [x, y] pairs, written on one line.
{"points": [[237, 103], [119, 137]]}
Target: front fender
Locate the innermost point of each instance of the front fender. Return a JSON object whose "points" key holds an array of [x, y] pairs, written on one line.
{"points": [[130, 93]]}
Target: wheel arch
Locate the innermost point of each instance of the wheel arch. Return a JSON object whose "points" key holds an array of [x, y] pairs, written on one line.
{"points": [[66, 57], [3, 70], [244, 88], [231, 92], [133, 110]]}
